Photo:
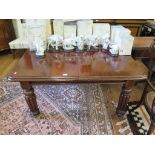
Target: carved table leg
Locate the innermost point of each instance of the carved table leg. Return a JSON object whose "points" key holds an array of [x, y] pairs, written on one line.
{"points": [[30, 97], [124, 98]]}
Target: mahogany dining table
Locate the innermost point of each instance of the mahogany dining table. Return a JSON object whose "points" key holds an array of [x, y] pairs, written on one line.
{"points": [[77, 67]]}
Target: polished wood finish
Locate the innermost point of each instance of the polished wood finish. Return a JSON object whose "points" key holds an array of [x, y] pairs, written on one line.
{"points": [[7, 33], [142, 42], [79, 67], [131, 21], [113, 88], [141, 48], [111, 21], [144, 48], [124, 97], [30, 97], [121, 21]]}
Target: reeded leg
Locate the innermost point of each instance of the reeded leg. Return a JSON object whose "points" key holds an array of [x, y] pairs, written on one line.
{"points": [[124, 98], [30, 97]]}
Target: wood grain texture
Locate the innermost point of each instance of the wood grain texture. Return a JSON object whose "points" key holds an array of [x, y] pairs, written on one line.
{"points": [[30, 97], [7, 33], [124, 97], [142, 42], [121, 21], [141, 48], [77, 67]]}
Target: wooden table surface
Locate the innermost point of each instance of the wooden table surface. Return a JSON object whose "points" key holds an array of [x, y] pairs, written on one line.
{"points": [[74, 66]]}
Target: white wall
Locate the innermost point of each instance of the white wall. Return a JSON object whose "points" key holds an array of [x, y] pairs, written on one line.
{"points": [[18, 26]]}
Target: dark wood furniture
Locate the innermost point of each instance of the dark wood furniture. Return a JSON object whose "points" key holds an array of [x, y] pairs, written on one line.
{"points": [[144, 48], [148, 29], [148, 100], [77, 67], [141, 47], [7, 33]]}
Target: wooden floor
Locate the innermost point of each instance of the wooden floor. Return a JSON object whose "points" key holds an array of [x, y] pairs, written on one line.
{"points": [[7, 62]]}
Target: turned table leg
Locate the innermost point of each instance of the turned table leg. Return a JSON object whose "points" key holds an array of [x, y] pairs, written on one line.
{"points": [[124, 98], [30, 97]]}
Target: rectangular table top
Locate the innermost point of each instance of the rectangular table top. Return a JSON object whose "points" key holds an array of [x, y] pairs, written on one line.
{"points": [[77, 67]]}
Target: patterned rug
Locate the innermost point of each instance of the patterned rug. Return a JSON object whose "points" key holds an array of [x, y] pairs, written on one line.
{"points": [[139, 120], [83, 109]]}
